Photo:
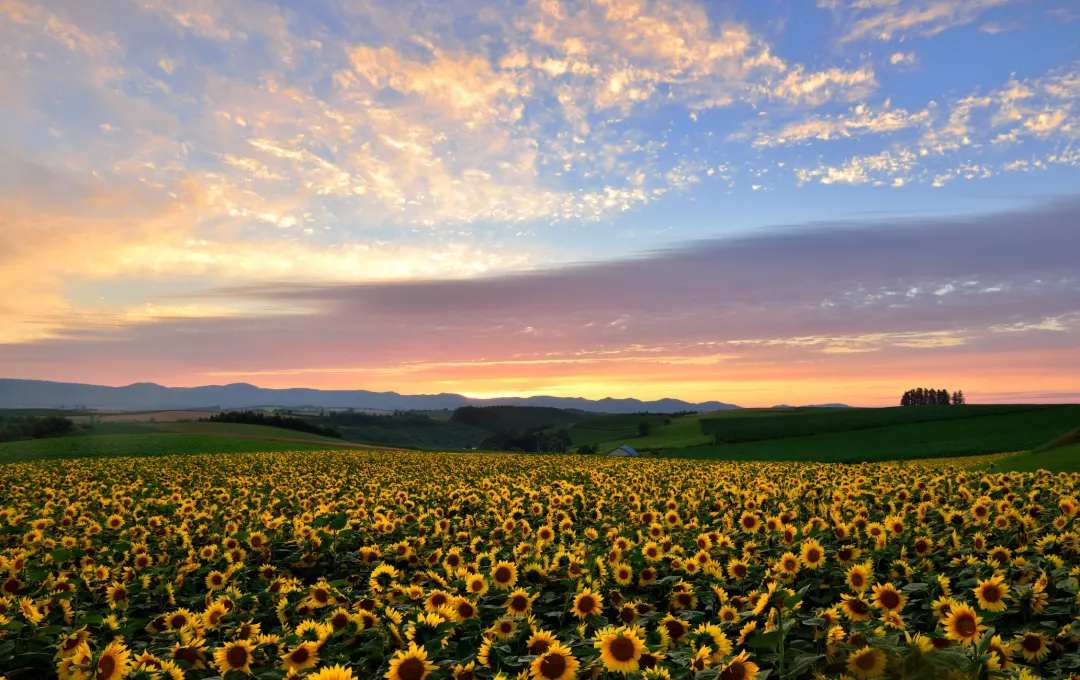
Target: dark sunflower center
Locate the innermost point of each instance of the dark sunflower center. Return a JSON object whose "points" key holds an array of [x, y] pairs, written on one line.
{"points": [[539, 647], [674, 629], [866, 661], [991, 594], [856, 579], [736, 671], [813, 555], [237, 657], [622, 649], [740, 570], [684, 599], [889, 599], [965, 625], [301, 655], [106, 666], [502, 574], [1032, 643], [519, 602], [857, 606], [553, 666], [411, 669], [844, 554], [465, 610], [587, 604]]}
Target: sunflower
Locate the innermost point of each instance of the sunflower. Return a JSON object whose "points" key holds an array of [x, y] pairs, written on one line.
{"points": [[410, 664], [854, 608], [234, 656], [749, 522], [623, 574], [303, 655], [887, 597], [464, 609], [556, 663], [71, 642], [620, 649], [673, 630], [504, 629], [991, 593], [1002, 654], [1033, 646], [788, 564], [963, 624], [812, 554], [503, 575], [476, 584], [858, 577], [540, 641], [178, 619], [76, 665], [587, 603], [866, 663], [737, 569], [113, 663], [190, 650], [333, 673], [464, 671], [739, 668], [519, 603]]}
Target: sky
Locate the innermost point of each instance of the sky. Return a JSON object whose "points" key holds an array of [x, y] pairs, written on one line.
{"points": [[751, 202]]}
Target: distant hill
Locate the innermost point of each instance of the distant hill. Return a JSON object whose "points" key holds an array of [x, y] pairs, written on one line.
{"points": [[151, 396]]}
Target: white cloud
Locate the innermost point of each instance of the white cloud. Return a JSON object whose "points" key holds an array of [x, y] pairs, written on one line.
{"points": [[895, 19]]}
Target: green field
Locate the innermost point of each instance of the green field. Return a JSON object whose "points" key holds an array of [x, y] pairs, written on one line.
{"points": [[1016, 431], [734, 429], [109, 445], [219, 429], [1061, 459]]}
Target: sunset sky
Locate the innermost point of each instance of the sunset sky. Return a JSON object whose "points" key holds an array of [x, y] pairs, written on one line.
{"points": [[752, 202]]}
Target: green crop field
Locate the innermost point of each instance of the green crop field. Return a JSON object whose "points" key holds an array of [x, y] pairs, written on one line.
{"points": [[1060, 459], [1016, 431], [733, 429], [226, 429], [109, 445]]}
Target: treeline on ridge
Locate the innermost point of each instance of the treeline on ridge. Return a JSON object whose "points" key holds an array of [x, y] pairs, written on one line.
{"points": [[34, 427], [283, 421]]}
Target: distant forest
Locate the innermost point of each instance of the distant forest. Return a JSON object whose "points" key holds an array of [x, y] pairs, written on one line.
{"points": [[273, 420], [923, 396]]}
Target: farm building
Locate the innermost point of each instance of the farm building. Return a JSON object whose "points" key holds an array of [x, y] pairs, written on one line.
{"points": [[624, 450]]}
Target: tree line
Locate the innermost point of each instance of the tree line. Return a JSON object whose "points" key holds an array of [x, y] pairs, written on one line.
{"points": [[272, 420], [923, 396], [35, 427]]}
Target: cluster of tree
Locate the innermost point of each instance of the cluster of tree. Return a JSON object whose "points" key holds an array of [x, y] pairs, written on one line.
{"points": [[517, 418], [35, 427], [283, 421], [352, 418], [536, 439], [922, 396]]}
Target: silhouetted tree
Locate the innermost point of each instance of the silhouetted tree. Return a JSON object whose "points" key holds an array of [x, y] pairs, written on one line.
{"points": [[922, 396]]}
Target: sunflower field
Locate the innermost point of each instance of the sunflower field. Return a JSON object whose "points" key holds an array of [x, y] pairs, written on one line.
{"points": [[426, 566]]}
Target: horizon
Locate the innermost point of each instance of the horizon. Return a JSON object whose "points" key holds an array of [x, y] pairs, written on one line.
{"points": [[967, 396], [753, 203]]}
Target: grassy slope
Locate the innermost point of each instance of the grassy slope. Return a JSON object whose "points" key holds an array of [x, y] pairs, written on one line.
{"points": [[110, 445], [198, 429], [956, 437], [1060, 459], [806, 422]]}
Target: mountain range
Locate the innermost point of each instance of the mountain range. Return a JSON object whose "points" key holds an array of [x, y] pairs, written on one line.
{"points": [[151, 396]]}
